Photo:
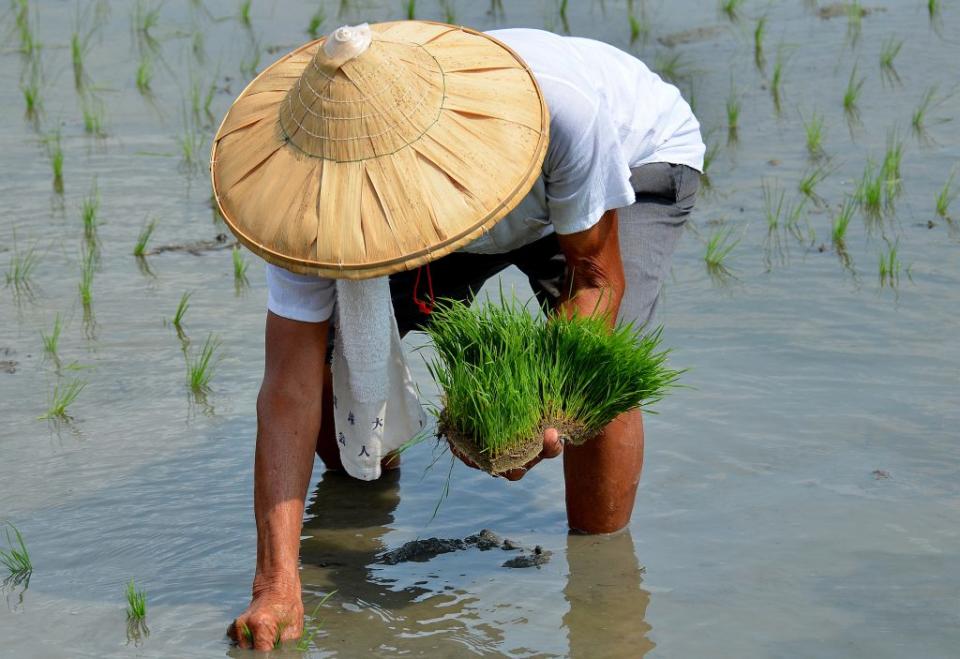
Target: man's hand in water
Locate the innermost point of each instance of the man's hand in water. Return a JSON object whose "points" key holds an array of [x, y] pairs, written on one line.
{"points": [[275, 614], [552, 447]]}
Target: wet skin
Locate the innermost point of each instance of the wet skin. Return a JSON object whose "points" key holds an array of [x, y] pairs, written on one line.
{"points": [[601, 476]]}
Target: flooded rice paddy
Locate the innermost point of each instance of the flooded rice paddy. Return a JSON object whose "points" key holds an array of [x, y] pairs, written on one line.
{"points": [[800, 499]]}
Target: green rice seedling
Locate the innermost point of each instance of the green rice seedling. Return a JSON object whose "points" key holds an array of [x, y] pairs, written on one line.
{"points": [[870, 191], [890, 169], [51, 341], [89, 208], [197, 46], [208, 99], [181, 311], [776, 80], [93, 115], [563, 15], [759, 34], [20, 269], [191, 142], [810, 181], [146, 17], [840, 223], [62, 398], [773, 196], [317, 20], [855, 14], [890, 267], [889, 50], [794, 213], [814, 131], [136, 602], [16, 558], [672, 67], [838, 231], [251, 61], [239, 267], [281, 625], [87, 270], [29, 44], [410, 9], [946, 196], [311, 626], [80, 41], [144, 73], [201, 366], [780, 216], [719, 246], [731, 8], [449, 11], [851, 95], [244, 14], [639, 29], [933, 9], [919, 118], [713, 149], [77, 54], [733, 114], [32, 100], [140, 248], [55, 151], [507, 375]]}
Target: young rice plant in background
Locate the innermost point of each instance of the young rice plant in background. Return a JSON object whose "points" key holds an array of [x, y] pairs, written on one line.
{"points": [[140, 248], [15, 558], [200, 367], [62, 397], [946, 196]]}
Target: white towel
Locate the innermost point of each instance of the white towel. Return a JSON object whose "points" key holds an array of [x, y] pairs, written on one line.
{"points": [[375, 403]]}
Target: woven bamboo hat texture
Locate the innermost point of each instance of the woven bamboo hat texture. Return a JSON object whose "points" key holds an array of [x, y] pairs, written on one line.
{"points": [[383, 162]]}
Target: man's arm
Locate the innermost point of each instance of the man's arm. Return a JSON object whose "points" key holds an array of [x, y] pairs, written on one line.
{"points": [[595, 281], [288, 421]]}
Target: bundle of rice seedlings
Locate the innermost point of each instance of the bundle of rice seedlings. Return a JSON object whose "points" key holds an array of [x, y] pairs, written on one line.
{"points": [[507, 376]]}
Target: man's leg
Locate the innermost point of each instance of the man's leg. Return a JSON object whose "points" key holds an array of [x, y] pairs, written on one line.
{"points": [[602, 475]]}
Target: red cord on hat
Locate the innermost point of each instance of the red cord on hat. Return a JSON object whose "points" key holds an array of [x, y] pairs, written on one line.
{"points": [[426, 308]]}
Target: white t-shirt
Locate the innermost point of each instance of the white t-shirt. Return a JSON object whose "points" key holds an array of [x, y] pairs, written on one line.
{"points": [[608, 114]]}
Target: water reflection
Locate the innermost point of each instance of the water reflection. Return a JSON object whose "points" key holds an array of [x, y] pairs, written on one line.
{"points": [[346, 521], [608, 605]]}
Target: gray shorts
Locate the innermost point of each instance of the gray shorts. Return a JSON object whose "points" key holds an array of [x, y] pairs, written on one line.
{"points": [[649, 230]]}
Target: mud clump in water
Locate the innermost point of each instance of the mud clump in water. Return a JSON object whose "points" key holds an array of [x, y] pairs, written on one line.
{"points": [[421, 551], [220, 241], [536, 558], [838, 9], [690, 36], [7, 365]]}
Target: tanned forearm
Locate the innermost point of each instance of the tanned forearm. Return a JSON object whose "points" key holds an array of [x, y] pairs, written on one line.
{"points": [[288, 422], [595, 281], [287, 430]]}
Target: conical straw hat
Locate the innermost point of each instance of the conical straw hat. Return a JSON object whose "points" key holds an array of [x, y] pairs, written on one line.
{"points": [[384, 162]]}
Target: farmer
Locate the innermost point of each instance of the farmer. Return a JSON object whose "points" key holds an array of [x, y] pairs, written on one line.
{"points": [[395, 164]]}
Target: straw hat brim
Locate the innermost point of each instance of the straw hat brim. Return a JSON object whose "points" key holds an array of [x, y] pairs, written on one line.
{"points": [[373, 216]]}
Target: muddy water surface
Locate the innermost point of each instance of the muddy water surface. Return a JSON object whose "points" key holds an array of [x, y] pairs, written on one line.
{"points": [[802, 498]]}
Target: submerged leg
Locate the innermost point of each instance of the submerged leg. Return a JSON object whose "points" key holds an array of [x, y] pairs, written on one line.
{"points": [[602, 476]]}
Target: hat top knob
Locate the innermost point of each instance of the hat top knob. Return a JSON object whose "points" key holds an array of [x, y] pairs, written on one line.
{"points": [[347, 42]]}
